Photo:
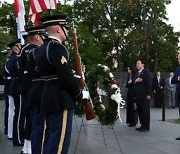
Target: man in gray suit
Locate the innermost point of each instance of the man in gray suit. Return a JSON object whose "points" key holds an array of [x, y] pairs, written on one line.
{"points": [[171, 89]]}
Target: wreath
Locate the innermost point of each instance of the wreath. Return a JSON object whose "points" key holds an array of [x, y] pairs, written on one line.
{"points": [[107, 112]]}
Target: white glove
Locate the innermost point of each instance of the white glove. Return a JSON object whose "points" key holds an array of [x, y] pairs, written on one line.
{"points": [[85, 94]]}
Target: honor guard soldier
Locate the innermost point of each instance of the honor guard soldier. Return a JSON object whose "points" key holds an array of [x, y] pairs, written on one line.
{"points": [[7, 80], [35, 37], [10, 98], [61, 88], [15, 92]]}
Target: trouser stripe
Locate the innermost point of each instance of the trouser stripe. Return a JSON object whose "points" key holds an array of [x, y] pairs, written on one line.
{"points": [[20, 101], [43, 138], [63, 131]]}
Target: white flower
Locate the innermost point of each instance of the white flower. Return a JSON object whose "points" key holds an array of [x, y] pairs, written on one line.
{"points": [[106, 68], [102, 106], [111, 75], [99, 65], [114, 86]]}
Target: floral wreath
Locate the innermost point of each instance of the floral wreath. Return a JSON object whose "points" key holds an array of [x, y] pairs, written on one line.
{"points": [[107, 113]]}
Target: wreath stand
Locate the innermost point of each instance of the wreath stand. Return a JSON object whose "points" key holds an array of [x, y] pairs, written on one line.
{"points": [[112, 90], [83, 125]]}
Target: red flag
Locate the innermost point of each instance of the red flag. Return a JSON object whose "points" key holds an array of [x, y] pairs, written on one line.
{"points": [[37, 6]]}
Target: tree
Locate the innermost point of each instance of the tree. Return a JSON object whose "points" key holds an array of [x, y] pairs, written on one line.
{"points": [[131, 29]]}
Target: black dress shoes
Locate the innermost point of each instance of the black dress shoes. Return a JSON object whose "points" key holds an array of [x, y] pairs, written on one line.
{"points": [[138, 128], [178, 138], [131, 125], [144, 130], [17, 144]]}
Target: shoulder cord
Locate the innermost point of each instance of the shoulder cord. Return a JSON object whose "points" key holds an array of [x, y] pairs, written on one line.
{"points": [[19, 55], [6, 66], [47, 51]]}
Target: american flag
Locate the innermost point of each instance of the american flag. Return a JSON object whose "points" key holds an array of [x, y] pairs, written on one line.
{"points": [[37, 6]]}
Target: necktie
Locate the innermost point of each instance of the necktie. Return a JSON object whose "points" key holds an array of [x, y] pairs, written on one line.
{"points": [[170, 82]]}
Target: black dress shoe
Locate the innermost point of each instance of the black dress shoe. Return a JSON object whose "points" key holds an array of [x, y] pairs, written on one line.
{"points": [[10, 138], [138, 128], [178, 138], [5, 132], [173, 107], [131, 125], [17, 144], [144, 130]]}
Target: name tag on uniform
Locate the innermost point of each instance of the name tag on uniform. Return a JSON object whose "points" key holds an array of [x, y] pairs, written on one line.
{"points": [[63, 60]]}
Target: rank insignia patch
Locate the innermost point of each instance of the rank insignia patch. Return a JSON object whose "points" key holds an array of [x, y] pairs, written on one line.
{"points": [[63, 60]]}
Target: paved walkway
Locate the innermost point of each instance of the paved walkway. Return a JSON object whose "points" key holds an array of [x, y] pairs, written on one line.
{"points": [[119, 140]]}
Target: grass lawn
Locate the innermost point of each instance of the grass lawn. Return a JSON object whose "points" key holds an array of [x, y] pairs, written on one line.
{"points": [[177, 121]]}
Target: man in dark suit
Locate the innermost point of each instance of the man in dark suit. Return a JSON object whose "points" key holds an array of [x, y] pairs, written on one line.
{"points": [[158, 89], [176, 80], [143, 89]]}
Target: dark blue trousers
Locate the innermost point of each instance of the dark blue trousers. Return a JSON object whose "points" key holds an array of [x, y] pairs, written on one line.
{"points": [[18, 122], [38, 121], [58, 132]]}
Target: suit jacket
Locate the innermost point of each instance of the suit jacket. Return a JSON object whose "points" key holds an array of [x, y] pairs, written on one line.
{"points": [[175, 78], [177, 82], [143, 88], [170, 85], [156, 86]]}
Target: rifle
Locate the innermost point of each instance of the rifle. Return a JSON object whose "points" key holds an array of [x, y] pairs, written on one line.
{"points": [[78, 68]]}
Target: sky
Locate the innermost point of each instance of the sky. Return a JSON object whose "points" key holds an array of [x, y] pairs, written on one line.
{"points": [[173, 11]]}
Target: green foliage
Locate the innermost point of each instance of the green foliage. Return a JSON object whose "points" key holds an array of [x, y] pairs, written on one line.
{"points": [[107, 115], [113, 32]]}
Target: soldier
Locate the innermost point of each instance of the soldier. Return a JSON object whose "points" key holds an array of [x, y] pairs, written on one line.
{"points": [[60, 89], [15, 92], [7, 80], [34, 38]]}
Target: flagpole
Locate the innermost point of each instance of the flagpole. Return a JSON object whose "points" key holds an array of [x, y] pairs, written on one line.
{"points": [[50, 12]]}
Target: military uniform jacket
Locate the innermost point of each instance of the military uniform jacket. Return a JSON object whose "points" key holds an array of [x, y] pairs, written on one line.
{"points": [[23, 62], [143, 88], [37, 83], [8, 79], [15, 74], [61, 88]]}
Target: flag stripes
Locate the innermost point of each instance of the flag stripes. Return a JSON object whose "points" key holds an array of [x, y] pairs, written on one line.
{"points": [[37, 6]]}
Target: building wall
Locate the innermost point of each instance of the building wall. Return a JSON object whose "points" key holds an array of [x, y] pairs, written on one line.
{"points": [[121, 78]]}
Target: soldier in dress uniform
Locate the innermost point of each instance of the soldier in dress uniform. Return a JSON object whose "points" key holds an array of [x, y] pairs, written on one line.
{"points": [[60, 89], [15, 92], [6, 78], [10, 99], [34, 38]]}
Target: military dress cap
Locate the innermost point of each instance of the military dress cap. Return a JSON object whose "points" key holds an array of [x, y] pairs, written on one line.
{"points": [[55, 20], [24, 34], [5, 51], [36, 30], [14, 42]]}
